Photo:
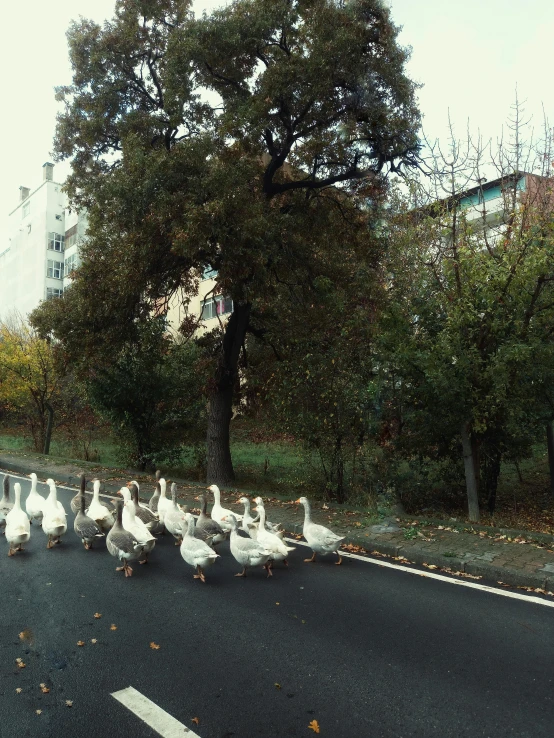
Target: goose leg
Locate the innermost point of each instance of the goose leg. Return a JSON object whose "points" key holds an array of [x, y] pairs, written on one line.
{"points": [[339, 562], [267, 567], [128, 571], [285, 562], [11, 552], [200, 574], [49, 544], [242, 574], [309, 561], [145, 560]]}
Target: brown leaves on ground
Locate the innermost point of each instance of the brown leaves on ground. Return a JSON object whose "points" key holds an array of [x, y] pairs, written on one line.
{"points": [[97, 615], [352, 548], [80, 643], [196, 720], [93, 640], [44, 689], [38, 712], [113, 627], [20, 663], [69, 703], [26, 636], [18, 690], [314, 725], [154, 646]]}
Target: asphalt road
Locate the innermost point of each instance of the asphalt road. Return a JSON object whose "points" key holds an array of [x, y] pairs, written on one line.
{"points": [[367, 652]]}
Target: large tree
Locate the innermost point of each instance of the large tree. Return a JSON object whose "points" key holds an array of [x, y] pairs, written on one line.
{"points": [[235, 141]]}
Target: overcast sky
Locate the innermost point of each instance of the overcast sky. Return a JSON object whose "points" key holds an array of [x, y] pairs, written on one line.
{"points": [[470, 57]]}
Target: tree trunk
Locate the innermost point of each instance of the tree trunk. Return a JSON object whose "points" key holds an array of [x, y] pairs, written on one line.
{"points": [[49, 425], [218, 452], [470, 473], [550, 444]]}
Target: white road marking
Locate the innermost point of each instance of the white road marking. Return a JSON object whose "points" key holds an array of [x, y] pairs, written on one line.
{"points": [[159, 720], [399, 567], [440, 577]]}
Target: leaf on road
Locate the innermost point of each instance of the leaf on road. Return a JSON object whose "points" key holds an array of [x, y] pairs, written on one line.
{"points": [[20, 663], [113, 627], [196, 720], [44, 689], [26, 636], [154, 646], [80, 643], [314, 725], [93, 640], [18, 690], [38, 712], [97, 615], [277, 685], [69, 703]]}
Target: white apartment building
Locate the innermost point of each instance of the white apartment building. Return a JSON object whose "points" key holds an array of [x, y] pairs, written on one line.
{"points": [[43, 249], [32, 262]]}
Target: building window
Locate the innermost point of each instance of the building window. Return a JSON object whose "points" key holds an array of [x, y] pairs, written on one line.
{"points": [[26, 209], [209, 273], [71, 236], [71, 263], [215, 306], [52, 292], [54, 269], [56, 241]]}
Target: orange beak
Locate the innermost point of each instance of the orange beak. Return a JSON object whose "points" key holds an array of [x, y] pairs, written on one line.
{"points": [[297, 502]]}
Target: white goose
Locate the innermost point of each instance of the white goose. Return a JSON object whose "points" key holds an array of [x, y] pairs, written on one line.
{"points": [[217, 512], [99, 512], [163, 503], [143, 512], [320, 539], [34, 504], [246, 551], [279, 550], [54, 518], [195, 552], [137, 529], [18, 527], [249, 524], [174, 519]]}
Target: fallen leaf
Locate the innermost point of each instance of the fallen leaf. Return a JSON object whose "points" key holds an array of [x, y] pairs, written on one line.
{"points": [[69, 703], [196, 720], [277, 685], [154, 646], [113, 627], [277, 603], [26, 635], [314, 725], [20, 664], [18, 690], [19, 660], [80, 643], [93, 640], [97, 615], [44, 689], [38, 712]]}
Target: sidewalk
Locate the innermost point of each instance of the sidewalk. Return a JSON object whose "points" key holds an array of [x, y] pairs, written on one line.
{"points": [[515, 558]]}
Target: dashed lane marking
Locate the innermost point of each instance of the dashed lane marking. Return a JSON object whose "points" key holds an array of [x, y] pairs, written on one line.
{"points": [[159, 720]]}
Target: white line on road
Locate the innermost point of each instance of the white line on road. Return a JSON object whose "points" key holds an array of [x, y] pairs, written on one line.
{"points": [[149, 712], [399, 567], [440, 577]]}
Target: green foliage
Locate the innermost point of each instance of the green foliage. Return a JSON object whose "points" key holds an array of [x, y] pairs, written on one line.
{"points": [[151, 395], [467, 333], [307, 95]]}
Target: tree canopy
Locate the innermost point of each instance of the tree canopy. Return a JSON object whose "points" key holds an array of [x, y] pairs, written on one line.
{"points": [[238, 141]]}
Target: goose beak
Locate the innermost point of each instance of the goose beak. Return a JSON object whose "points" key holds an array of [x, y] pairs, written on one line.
{"points": [[297, 502]]}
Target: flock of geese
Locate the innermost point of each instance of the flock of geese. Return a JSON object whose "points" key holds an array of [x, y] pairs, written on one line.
{"points": [[130, 526]]}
